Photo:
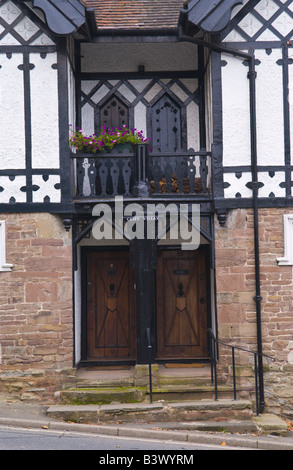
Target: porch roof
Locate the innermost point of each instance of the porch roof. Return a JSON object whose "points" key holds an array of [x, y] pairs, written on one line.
{"points": [[62, 16], [211, 16], [136, 14], [67, 16]]}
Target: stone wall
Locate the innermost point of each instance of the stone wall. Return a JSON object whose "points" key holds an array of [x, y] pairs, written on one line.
{"points": [[236, 310], [36, 320]]}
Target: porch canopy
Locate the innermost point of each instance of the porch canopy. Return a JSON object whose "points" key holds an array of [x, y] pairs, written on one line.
{"points": [[65, 17], [210, 16]]}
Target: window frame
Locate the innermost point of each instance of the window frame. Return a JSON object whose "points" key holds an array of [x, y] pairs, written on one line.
{"points": [[287, 260], [4, 266]]}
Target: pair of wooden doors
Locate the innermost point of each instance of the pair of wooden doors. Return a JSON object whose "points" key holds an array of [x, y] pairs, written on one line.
{"points": [[181, 325]]}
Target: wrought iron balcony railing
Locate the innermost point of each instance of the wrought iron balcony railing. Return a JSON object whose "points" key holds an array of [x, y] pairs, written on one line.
{"points": [[143, 174]]}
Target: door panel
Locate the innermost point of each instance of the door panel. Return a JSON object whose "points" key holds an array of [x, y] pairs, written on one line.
{"points": [[181, 305], [111, 326]]}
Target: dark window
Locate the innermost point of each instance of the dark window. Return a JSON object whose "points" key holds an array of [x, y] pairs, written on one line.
{"points": [[166, 125], [114, 113]]}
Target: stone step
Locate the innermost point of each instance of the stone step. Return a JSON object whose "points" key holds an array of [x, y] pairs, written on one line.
{"points": [[139, 376], [105, 382], [185, 412], [169, 393], [102, 395], [189, 392]]}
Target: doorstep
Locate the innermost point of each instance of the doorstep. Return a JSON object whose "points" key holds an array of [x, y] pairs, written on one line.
{"points": [[201, 410], [204, 415]]}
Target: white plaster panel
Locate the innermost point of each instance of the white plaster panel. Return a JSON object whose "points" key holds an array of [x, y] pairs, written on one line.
{"points": [[127, 93], [268, 35], [87, 119], [269, 109], [237, 185], [140, 120], [283, 24], [177, 90], [154, 91], [9, 40], [100, 94], [266, 8], [12, 189], [42, 40], [44, 112], [9, 12], [234, 36], [46, 188], [26, 28], [139, 85], [250, 24], [88, 85], [190, 83], [193, 126], [71, 95], [272, 184], [236, 113], [12, 149]]}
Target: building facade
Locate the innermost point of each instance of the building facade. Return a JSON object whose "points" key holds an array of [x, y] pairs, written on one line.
{"points": [[211, 88]]}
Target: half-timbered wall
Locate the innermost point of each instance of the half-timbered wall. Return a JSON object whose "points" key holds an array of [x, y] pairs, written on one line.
{"points": [[29, 109], [263, 28], [266, 30]]}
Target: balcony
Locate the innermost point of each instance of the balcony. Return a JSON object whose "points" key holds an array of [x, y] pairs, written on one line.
{"points": [[140, 174]]}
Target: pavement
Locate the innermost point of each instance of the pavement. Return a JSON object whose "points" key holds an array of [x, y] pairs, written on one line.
{"points": [[35, 416]]}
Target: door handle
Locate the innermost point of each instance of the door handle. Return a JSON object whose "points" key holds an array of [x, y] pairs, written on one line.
{"points": [[202, 300]]}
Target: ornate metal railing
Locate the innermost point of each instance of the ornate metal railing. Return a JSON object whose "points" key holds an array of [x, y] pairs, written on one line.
{"points": [[106, 175], [180, 173]]}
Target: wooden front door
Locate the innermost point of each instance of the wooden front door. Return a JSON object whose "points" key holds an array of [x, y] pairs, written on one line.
{"points": [[111, 325], [181, 305]]}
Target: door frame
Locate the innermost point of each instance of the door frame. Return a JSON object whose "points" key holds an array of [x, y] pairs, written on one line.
{"points": [[84, 250], [84, 301], [207, 254]]}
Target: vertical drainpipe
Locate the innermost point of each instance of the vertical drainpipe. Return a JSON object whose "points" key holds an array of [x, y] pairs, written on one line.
{"points": [[253, 143], [255, 185]]}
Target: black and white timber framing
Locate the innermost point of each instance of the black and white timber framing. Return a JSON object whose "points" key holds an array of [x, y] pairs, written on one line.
{"points": [[225, 33]]}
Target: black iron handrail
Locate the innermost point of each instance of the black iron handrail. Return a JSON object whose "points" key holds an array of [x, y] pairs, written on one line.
{"points": [[213, 345]]}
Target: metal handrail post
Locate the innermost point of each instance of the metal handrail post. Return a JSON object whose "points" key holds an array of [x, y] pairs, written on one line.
{"points": [[234, 375], [150, 363], [215, 369], [212, 357], [256, 383]]}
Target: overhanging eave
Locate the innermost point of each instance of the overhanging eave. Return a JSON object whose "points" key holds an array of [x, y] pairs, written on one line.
{"points": [[210, 16]]}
